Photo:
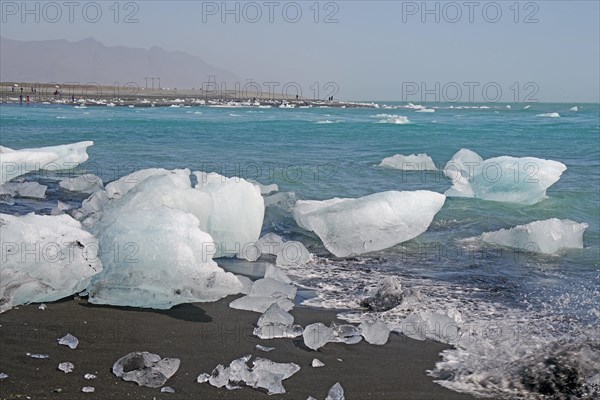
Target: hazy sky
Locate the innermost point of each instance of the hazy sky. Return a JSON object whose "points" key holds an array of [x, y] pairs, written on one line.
{"points": [[381, 50]]}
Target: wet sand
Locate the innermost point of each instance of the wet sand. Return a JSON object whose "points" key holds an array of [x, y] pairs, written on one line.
{"points": [[202, 336]]}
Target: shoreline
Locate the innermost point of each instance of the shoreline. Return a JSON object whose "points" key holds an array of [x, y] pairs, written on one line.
{"points": [[202, 335]]}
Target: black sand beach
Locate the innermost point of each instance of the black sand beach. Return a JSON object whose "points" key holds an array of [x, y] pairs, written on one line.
{"points": [[202, 336]]}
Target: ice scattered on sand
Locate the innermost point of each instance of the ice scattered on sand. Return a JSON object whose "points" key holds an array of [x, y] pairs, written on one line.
{"points": [[413, 162], [510, 179], [318, 335], [37, 356], [31, 190], [277, 323], [264, 374], [549, 115], [14, 163], [69, 340], [264, 348], [548, 236], [69, 259], [167, 389], [89, 376], [66, 367], [42, 306], [375, 222], [375, 332], [88, 183], [88, 389], [146, 369], [3, 375], [316, 363], [336, 392]]}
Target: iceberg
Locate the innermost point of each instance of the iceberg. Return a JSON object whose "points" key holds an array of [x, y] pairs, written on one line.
{"points": [[549, 115], [575, 108], [158, 259], [88, 183], [549, 236], [15, 163], [509, 179], [413, 162], [45, 258], [355, 226]]}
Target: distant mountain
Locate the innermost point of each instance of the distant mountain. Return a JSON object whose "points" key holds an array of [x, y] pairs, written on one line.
{"points": [[89, 60]]}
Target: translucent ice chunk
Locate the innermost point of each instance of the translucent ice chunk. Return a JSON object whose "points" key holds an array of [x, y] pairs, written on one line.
{"points": [[293, 253], [203, 378], [510, 179], [375, 222], [3, 375], [89, 376], [66, 265], [146, 369], [264, 348], [375, 332], [317, 335], [336, 392], [66, 367], [267, 287], [88, 389], [413, 162], [14, 163], [23, 189], [346, 333], [167, 389], [273, 272], [388, 295], [261, 304], [69, 340], [316, 363], [87, 183], [38, 356], [275, 315], [549, 236]]}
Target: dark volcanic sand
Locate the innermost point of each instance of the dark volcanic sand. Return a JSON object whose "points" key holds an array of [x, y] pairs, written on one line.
{"points": [[202, 336]]}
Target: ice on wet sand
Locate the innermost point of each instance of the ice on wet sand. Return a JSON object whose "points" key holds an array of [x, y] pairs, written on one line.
{"points": [[375, 332], [277, 323], [146, 369], [69, 340]]}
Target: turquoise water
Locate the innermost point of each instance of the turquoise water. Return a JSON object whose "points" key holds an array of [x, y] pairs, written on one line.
{"points": [[320, 153]]}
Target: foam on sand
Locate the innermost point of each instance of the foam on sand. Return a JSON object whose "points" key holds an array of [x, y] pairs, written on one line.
{"points": [[375, 222], [413, 162], [510, 179]]}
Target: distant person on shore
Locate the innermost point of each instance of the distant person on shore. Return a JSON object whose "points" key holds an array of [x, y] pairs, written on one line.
{"points": [[20, 98]]}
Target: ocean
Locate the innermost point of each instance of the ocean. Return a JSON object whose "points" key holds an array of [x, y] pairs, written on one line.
{"points": [[529, 322]]}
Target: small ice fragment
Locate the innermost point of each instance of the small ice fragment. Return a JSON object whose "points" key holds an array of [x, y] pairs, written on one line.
{"points": [[264, 348], [273, 272], [346, 333], [38, 356], [229, 386], [69, 340], [66, 367], [311, 398], [3, 375], [167, 389], [202, 378], [146, 369], [336, 392], [316, 363], [88, 389], [376, 332], [89, 376], [387, 296], [219, 376], [42, 306], [317, 335], [275, 315]]}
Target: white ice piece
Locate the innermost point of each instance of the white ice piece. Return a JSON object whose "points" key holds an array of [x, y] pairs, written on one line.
{"points": [[413, 162], [375, 222]]}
